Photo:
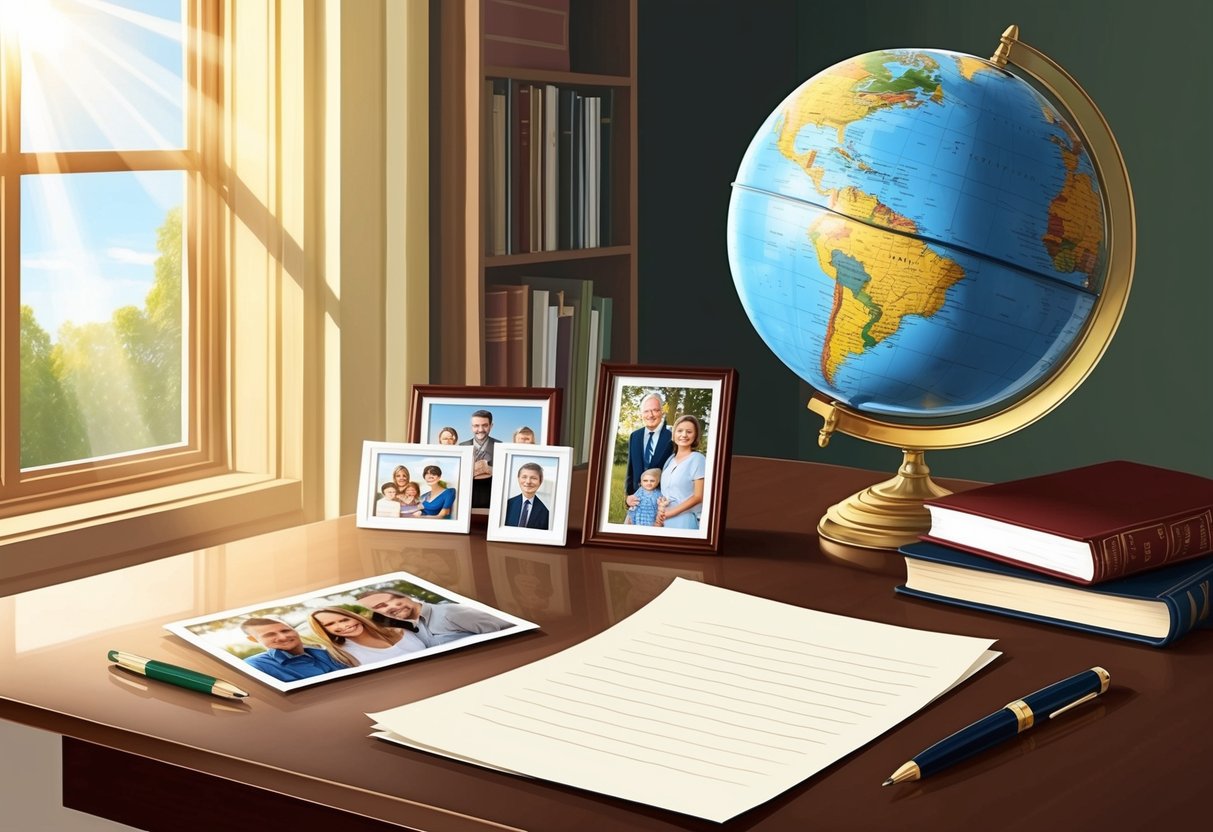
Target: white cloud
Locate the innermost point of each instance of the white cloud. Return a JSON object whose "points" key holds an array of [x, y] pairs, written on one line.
{"points": [[129, 255], [48, 264]]}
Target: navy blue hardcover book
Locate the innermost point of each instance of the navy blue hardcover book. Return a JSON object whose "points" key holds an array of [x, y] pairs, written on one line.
{"points": [[1154, 607]]}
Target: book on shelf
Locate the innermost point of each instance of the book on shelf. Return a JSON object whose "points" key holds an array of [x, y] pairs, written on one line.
{"points": [[562, 365], [607, 105], [1089, 525], [551, 150], [526, 33], [496, 362], [539, 338], [535, 184], [564, 165], [577, 295], [586, 406], [521, 171], [1154, 607], [517, 333], [497, 169]]}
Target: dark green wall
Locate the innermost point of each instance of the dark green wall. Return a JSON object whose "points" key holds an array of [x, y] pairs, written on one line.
{"points": [[704, 93]]}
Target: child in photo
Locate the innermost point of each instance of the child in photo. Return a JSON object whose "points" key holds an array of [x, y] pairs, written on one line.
{"points": [[644, 513], [410, 500], [524, 436], [387, 505]]}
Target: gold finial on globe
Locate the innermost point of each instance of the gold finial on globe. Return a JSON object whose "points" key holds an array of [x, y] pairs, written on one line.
{"points": [[938, 280]]}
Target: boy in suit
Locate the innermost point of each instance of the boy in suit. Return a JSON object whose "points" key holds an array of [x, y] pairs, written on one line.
{"points": [[526, 509]]}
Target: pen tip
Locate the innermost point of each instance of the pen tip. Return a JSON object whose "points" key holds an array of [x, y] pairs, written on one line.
{"points": [[888, 782]]}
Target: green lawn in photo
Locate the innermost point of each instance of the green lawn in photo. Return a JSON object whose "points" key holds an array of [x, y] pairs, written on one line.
{"points": [[617, 511]]}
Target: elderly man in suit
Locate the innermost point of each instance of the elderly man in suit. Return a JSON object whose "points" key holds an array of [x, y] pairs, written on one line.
{"points": [[649, 446], [526, 509]]}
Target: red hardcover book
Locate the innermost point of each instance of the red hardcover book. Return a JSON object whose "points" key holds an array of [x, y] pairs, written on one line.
{"points": [[517, 335], [526, 33], [1087, 525], [496, 311]]}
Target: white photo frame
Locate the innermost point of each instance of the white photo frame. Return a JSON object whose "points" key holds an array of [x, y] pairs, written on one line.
{"points": [[555, 463], [381, 462]]}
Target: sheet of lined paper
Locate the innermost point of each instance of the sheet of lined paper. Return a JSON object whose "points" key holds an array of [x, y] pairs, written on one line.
{"points": [[706, 702]]}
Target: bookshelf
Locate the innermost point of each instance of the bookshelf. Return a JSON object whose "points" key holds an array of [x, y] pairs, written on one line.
{"points": [[601, 41]]}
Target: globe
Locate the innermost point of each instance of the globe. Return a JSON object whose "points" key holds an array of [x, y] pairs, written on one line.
{"points": [[926, 238]]}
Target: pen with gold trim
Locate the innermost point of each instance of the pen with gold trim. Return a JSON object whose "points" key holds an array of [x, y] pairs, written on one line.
{"points": [[1001, 725], [174, 675]]}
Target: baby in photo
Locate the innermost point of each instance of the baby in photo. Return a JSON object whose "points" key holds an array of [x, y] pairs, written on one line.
{"points": [[644, 513]]}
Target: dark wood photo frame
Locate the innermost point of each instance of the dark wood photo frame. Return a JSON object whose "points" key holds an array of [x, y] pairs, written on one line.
{"points": [[508, 406], [709, 395]]}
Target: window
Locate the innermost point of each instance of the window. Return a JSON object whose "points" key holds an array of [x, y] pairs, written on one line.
{"points": [[107, 264]]}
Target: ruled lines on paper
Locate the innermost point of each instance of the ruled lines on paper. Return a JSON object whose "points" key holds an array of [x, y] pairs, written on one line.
{"points": [[704, 715]]}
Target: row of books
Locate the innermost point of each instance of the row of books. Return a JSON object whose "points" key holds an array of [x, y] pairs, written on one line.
{"points": [[1118, 548], [549, 167], [550, 332]]}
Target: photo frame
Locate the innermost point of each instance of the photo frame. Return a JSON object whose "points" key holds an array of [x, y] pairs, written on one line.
{"points": [[437, 410], [540, 475], [696, 400], [391, 466]]}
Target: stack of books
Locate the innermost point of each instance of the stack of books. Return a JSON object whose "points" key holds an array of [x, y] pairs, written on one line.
{"points": [[549, 167], [550, 332], [1119, 548]]}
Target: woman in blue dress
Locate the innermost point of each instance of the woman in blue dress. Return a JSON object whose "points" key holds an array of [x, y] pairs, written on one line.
{"points": [[439, 501], [682, 478]]}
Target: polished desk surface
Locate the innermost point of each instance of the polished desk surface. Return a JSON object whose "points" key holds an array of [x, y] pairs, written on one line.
{"points": [[1133, 759]]}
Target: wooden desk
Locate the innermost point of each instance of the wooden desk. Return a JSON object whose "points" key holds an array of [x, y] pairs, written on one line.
{"points": [[158, 757]]}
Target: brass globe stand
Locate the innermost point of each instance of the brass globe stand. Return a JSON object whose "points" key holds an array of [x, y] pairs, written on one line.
{"points": [[888, 514]]}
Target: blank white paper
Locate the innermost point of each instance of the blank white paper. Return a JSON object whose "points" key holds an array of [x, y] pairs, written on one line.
{"points": [[706, 701]]}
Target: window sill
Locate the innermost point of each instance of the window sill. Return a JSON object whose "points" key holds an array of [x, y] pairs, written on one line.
{"points": [[55, 545]]}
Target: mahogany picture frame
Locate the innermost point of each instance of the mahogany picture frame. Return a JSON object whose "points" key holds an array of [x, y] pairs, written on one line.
{"points": [[709, 394], [437, 406]]}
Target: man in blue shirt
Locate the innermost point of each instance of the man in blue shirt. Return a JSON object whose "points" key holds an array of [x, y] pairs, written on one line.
{"points": [[434, 624], [285, 657]]}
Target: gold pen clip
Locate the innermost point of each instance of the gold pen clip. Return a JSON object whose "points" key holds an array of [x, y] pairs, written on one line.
{"points": [[1074, 704]]}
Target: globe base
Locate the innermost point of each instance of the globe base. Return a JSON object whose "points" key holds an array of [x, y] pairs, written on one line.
{"points": [[888, 514]]}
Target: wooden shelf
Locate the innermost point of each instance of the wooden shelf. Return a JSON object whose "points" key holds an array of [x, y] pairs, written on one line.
{"points": [[602, 53]]}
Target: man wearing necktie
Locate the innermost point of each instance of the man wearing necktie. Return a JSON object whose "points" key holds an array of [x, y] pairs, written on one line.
{"points": [[526, 510], [649, 446]]}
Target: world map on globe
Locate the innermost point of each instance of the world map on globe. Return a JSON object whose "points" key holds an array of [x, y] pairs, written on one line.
{"points": [[918, 233]]}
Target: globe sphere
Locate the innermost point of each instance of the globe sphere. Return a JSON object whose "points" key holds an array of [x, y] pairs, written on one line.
{"points": [[918, 234]]}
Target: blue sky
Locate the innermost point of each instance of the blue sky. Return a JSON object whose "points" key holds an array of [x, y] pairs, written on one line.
{"points": [[96, 75]]}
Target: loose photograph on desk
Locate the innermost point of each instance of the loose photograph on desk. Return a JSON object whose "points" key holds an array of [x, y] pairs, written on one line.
{"points": [[414, 487], [481, 417], [530, 501], [659, 461], [343, 630]]}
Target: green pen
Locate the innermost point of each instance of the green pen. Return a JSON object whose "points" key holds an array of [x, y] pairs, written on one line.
{"points": [[180, 676]]}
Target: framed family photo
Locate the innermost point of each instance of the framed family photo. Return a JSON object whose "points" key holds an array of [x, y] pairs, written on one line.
{"points": [[481, 417], [659, 461], [530, 499], [415, 487], [346, 629]]}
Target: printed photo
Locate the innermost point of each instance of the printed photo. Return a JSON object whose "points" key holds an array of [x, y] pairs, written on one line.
{"points": [[414, 487], [338, 631], [530, 500]]}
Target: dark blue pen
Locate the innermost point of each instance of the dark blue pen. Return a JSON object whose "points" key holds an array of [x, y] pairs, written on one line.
{"points": [[1014, 719]]}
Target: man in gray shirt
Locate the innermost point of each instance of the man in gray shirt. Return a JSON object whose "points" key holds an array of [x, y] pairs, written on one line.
{"points": [[434, 624]]}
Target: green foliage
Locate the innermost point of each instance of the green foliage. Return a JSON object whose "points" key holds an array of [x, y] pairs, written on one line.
{"points": [[109, 387], [51, 428], [679, 401]]}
